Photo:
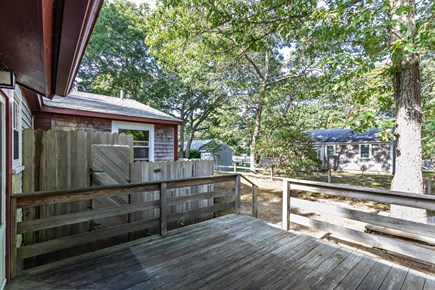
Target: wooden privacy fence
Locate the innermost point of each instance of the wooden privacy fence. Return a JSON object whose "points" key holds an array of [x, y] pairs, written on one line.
{"points": [[162, 203], [62, 160], [398, 246]]}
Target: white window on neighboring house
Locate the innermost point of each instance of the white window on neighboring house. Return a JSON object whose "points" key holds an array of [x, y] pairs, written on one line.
{"points": [[330, 150], [364, 150], [16, 133], [143, 138]]}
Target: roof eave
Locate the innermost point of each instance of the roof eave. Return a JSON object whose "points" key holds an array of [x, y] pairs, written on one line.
{"points": [[72, 112]]}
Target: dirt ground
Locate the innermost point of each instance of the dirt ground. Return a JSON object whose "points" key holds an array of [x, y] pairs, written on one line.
{"points": [[270, 210]]}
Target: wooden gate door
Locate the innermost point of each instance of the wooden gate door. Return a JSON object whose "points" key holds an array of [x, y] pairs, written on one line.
{"points": [[110, 165]]}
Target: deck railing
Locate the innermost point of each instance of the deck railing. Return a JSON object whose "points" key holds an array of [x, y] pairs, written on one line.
{"points": [[420, 231], [231, 194]]}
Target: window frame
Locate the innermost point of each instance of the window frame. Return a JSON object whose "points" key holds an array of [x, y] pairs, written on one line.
{"points": [[119, 125], [369, 149], [17, 127], [334, 150]]}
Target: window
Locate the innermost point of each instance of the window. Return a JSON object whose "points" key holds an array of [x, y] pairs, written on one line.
{"points": [[141, 143], [330, 150], [364, 150], [143, 138], [16, 133]]}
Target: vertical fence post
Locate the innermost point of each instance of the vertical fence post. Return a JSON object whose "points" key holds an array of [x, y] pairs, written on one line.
{"points": [[163, 209], [237, 193], [329, 176], [254, 201], [285, 205], [13, 255], [429, 185], [235, 167]]}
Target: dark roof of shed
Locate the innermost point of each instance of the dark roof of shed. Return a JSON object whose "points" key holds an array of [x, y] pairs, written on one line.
{"points": [[343, 135], [198, 144], [108, 105]]}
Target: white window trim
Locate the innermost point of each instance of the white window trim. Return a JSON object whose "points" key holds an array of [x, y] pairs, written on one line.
{"points": [[17, 163], [370, 151], [117, 125]]}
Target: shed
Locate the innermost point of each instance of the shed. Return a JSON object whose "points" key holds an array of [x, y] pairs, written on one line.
{"points": [[154, 132], [219, 152], [346, 150]]}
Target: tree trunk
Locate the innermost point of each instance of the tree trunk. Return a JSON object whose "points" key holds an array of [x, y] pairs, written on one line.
{"points": [[408, 176], [255, 136]]}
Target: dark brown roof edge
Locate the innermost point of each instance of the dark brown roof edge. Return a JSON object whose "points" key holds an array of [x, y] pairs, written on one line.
{"points": [[70, 56], [71, 112]]}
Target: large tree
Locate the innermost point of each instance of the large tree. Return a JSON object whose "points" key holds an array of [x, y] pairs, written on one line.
{"points": [[349, 38], [116, 57], [245, 58]]}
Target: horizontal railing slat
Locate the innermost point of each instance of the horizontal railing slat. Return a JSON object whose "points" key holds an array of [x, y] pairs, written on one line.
{"points": [[200, 211], [46, 198], [83, 216], [200, 181], [31, 199], [411, 200], [394, 245], [375, 219], [199, 196], [84, 238]]}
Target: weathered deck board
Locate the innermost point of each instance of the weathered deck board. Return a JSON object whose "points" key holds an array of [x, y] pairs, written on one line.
{"points": [[230, 252]]}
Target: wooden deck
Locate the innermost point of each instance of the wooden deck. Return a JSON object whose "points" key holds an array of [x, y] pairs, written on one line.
{"points": [[230, 252]]}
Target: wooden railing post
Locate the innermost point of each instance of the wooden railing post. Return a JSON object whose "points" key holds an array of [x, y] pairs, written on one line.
{"points": [[237, 193], [163, 209], [13, 255], [254, 201], [285, 205]]}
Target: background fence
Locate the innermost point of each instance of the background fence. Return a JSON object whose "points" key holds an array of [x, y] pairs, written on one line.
{"points": [[60, 160]]}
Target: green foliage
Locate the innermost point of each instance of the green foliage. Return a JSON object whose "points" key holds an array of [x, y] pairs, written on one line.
{"points": [[195, 154], [428, 102], [116, 57], [289, 149]]}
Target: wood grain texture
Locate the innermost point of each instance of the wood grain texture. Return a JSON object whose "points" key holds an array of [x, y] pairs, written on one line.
{"points": [[230, 252]]}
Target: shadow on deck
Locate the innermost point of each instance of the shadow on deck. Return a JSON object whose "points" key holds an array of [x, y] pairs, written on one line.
{"points": [[230, 252]]}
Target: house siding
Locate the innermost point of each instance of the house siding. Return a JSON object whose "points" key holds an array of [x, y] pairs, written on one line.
{"points": [[26, 115], [69, 123], [164, 138], [347, 158]]}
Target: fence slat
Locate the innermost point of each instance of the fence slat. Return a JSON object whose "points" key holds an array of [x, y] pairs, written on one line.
{"points": [[73, 218], [84, 238], [389, 222], [163, 209], [389, 244], [285, 206]]}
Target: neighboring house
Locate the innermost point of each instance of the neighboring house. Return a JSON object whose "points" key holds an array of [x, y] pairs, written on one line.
{"points": [[344, 150], [154, 132], [220, 153], [41, 47]]}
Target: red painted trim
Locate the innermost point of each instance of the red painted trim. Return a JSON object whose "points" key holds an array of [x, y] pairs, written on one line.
{"points": [[175, 143], [8, 133], [71, 112]]}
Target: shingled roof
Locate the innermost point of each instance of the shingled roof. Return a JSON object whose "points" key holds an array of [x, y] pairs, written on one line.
{"points": [[343, 135], [107, 105]]}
